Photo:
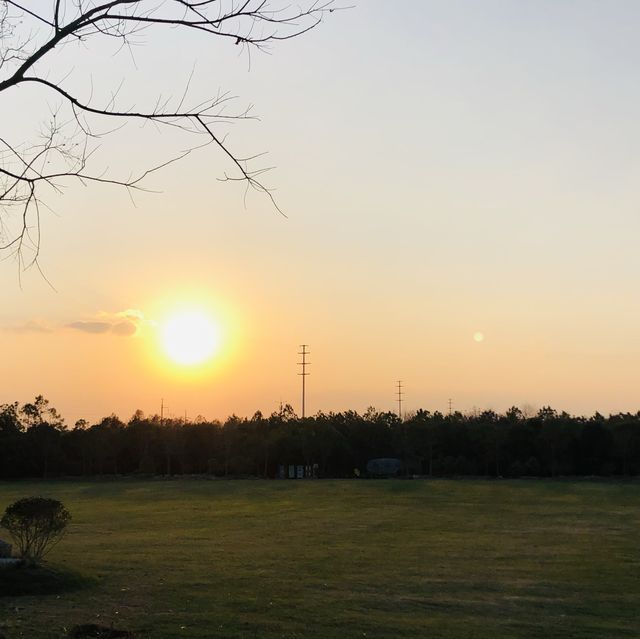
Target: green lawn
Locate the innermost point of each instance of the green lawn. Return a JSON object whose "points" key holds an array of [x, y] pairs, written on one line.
{"points": [[341, 559]]}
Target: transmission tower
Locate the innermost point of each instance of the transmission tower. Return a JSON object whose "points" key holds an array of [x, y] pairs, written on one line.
{"points": [[399, 394], [304, 363]]}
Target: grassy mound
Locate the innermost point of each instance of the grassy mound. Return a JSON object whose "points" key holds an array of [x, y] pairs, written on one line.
{"points": [[22, 580]]}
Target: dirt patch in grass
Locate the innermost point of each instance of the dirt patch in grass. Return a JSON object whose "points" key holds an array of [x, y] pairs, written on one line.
{"points": [[93, 631]]}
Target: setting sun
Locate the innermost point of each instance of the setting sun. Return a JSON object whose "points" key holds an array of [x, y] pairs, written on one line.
{"points": [[190, 338]]}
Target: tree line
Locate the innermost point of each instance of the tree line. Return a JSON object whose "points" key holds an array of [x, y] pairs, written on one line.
{"points": [[36, 442]]}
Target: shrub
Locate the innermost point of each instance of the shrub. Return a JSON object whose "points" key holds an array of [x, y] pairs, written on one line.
{"points": [[36, 525]]}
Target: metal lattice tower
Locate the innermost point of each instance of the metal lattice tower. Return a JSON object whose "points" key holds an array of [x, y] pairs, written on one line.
{"points": [[304, 363], [399, 394]]}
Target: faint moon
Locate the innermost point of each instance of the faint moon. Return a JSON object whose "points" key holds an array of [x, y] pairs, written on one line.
{"points": [[478, 336]]}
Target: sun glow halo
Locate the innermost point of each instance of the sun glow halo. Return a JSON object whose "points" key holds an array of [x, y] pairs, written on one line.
{"points": [[190, 338]]}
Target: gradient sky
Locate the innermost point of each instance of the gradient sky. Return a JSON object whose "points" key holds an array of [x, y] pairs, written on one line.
{"points": [[446, 167]]}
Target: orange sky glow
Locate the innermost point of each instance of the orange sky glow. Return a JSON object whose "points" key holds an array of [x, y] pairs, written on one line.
{"points": [[461, 214]]}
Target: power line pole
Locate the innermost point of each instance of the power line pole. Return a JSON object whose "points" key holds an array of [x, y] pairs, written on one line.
{"points": [[450, 403], [399, 393], [304, 363]]}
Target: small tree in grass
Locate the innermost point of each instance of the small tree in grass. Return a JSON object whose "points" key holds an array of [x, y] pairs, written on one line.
{"points": [[36, 525]]}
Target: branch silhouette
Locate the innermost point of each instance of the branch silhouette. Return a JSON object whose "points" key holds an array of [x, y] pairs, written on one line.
{"points": [[67, 142]]}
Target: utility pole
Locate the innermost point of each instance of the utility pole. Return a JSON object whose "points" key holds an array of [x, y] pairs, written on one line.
{"points": [[399, 393], [450, 403], [304, 363]]}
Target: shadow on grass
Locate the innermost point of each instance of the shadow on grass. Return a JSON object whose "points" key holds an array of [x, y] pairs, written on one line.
{"points": [[21, 581]]}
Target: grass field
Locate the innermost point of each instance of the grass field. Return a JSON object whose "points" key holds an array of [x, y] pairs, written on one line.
{"points": [[341, 559]]}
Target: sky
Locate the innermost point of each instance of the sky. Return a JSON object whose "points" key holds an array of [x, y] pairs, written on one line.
{"points": [[446, 168]]}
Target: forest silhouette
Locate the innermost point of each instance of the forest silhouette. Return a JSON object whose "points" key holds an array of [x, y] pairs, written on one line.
{"points": [[36, 442]]}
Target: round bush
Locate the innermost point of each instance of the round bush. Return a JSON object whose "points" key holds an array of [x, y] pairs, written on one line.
{"points": [[36, 525]]}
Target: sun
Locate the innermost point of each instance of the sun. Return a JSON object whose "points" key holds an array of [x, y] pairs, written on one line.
{"points": [[190, 338]]}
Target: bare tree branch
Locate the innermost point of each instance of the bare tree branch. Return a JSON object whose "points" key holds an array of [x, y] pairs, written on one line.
{"points": [[67, 143]]}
